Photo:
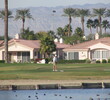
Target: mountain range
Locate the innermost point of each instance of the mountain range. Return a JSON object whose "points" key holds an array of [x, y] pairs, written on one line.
{"points": [[45, 19]]}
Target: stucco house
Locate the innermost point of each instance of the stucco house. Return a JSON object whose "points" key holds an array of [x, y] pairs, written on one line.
{"points": [[24, 50], [94, 50]]}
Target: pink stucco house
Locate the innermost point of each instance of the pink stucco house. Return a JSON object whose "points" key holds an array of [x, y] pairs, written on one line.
{"points": [[24, 50], [98, 49]]}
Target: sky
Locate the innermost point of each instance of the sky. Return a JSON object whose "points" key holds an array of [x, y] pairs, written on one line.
{"points": [[48, 3]]}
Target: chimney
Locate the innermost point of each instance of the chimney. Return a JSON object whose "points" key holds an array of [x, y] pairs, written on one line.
{"points": [[61, 40], [56, 40], [96, 36], [17, 36]]}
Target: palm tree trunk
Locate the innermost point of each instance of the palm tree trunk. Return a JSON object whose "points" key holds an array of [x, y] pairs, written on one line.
{"points": [[97, 29], [69, 33], [6, 31], [82, 21], [100, 21], [23, 20], [105, 30], [90, 30]]}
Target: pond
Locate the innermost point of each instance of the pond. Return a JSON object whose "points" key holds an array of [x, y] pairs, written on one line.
{"points": [[58, 94]]}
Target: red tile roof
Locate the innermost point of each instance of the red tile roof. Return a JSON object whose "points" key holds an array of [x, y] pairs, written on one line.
{"points": [[1, 41], [36, 43], [87, 44]]}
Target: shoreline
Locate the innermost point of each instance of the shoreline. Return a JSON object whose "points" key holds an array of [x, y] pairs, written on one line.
{"points": [[52, 84]]}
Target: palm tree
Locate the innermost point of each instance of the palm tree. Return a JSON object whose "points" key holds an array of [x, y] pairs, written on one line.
{"points": [[96, 24], [108, 13], [2, 14], [6, 31], [69, 12], [105, 24], [22, 15], [100, 13], [83, 13], [90, 24]]}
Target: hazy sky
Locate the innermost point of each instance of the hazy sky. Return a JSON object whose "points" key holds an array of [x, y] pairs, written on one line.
{"points": [[48, 3]]}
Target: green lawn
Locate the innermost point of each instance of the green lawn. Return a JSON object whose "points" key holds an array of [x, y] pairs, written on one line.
{"points": [[44, 71]]}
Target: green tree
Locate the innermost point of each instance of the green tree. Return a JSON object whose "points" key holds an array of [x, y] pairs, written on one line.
{"points": [[79, 32], [28, 35], [69, 12], [66, 30], [51, 33], [96, 24], [22, 15], [105, 24], [60, 31], [100, 13], [90, 24], [82, 13], [47, 45], [107, 13]]}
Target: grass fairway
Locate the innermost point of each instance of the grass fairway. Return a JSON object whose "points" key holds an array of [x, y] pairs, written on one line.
{"points": [[65, 71]]}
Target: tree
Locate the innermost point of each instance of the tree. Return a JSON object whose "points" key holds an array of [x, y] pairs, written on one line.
{"points": [[105, 24], [60, 31], [107, 13], [6, 31], [96, 24], [83, 13], [51, 33], [69, 12], [90, 24], [47, 45], [79, 32], [66, 30], [2, 14], [100, 13], [22, 15], [28, 35]]}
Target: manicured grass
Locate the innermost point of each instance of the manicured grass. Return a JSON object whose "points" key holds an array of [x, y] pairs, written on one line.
{"points": [[44, 71]]}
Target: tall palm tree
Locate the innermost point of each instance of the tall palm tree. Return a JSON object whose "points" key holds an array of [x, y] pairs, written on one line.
{"points": [[90, 24], [6, 31], [105, 24], [100, 13], [69, 12], [96, 24], [2, 14], [83, 13], [22, 15], [108, 13]]}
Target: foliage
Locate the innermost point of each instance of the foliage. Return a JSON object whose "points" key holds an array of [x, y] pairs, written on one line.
{"points": [[88, 61], [104, 61], [28, 35], [2, 61], [108, 60], [79, 32], [60, 32], [71, 61], [90, 37], [98, 61], [47, 45]]}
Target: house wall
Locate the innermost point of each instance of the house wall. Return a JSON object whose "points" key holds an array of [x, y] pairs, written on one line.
{"points": [[15, 47]]}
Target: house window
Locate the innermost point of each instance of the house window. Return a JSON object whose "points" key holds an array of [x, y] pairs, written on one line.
{"points": [[105, 54], [73, 55], [96, 54]]}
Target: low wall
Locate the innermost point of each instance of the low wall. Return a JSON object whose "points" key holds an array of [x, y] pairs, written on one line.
{"points": [[56, 86]]}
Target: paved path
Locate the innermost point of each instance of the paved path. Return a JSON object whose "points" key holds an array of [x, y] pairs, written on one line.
{"points": [[37, 82]]}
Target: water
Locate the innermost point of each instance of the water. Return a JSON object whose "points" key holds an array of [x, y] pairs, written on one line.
{"points": [[63, 94]]}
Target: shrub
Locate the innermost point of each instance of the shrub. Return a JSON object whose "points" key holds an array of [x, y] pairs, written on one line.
{"points": [[108, 60], [104, 61], [88, 61], [98, 61], [71, 61], [2, 61]]}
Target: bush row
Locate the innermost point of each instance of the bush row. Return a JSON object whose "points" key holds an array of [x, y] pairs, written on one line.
{"points": [[2, 61]]}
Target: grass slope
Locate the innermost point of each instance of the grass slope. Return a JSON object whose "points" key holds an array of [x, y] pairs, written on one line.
{"points": [[44, 71]]}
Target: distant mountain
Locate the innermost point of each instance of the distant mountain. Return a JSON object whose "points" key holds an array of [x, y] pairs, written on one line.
{"points": [[45, 19]]}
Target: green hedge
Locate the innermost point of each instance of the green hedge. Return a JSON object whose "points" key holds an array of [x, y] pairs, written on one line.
{"points": [[2, 61], [71, 61]]}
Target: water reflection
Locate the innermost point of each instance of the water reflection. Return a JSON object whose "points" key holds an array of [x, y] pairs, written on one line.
{"points": [[64, 94]]}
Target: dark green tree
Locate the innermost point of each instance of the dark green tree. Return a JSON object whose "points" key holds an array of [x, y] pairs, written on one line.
{"points": [[105, 25], [47, 45], [22, 15], [82, 13], [69, 12], [90, 24], [100, 13]]}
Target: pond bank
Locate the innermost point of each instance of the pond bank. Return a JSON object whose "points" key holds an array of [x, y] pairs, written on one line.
{"points": [[52, 84]]}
